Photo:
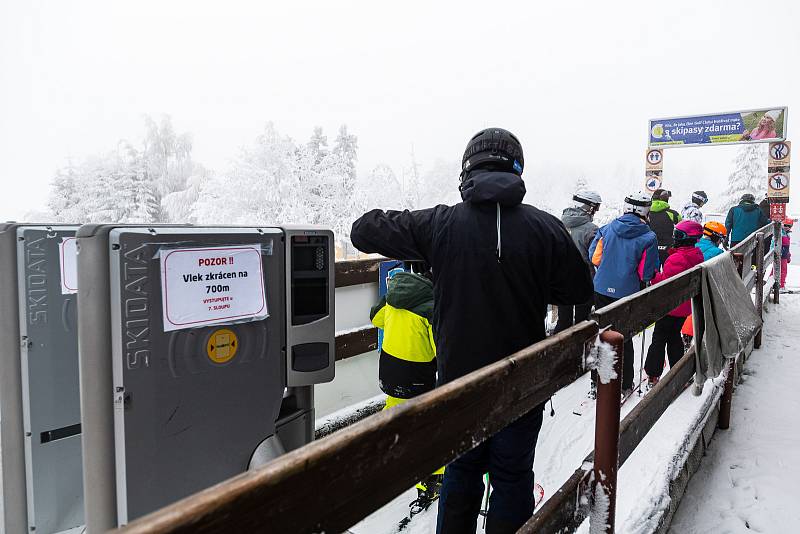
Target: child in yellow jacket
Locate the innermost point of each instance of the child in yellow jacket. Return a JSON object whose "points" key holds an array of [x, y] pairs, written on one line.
{"points": [[407, 365]]}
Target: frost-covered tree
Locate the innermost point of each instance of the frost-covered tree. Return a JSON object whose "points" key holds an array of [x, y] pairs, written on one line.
{"points": [[126, 184], [166, 159], [318, 145], [255, 189], [749, 175], [65, 195], [378, 189], [438, 184]]}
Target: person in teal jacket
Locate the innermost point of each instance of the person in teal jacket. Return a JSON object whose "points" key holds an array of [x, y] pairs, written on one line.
{"points": [[744, 219], [714, 234]]}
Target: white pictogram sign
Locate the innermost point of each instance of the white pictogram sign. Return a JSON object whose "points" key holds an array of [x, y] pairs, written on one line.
{"points": [[652, 183], [778, 181], [654, 157], [205, 286], [779, 151]]}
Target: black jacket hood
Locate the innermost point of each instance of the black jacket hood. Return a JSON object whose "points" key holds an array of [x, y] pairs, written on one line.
{"points": [[504, 188]]}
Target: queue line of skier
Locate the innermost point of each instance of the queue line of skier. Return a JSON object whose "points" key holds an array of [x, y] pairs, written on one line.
{"points": [[483, 274]]}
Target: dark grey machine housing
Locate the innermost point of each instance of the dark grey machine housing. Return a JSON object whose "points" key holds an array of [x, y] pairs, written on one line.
{"points": [[39, 393], [160, 421]]}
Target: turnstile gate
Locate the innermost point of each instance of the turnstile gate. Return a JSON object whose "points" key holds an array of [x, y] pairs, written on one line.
{"points": [[199, 348], [41, 418]]}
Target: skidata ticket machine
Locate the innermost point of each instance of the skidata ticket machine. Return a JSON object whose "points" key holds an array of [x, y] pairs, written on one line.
{"points": [[39, 393], [199, 349]]}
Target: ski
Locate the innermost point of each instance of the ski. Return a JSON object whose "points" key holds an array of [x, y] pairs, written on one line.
{"points": [[637, 388], [406, 520], [588, 402], [538, 495], [584, 406]]}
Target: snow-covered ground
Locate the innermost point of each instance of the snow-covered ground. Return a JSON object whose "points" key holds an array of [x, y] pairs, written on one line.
{"points": [[749, 478], [644, 479]]}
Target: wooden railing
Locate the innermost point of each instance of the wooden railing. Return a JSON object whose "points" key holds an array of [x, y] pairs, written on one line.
{"points": [[351, 273], [378, 458]]}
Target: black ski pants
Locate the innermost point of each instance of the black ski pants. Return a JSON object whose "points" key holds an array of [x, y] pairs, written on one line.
{"points": [[572, 315], [600, 301], [508, 458], [667, 332]]}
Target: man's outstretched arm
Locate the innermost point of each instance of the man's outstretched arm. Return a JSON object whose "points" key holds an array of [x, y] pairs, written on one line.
{"points": [[401, 235]]}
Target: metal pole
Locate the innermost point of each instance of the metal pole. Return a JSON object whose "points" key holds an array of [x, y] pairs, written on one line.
{"points": [[776, 259], [760, 275], [727, 397], [606, 442]]}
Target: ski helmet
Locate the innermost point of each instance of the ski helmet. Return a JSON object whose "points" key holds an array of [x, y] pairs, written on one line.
{"points": [[587, 198], [788, 223], [687, 232], [419, 267], [715, 229], [662, 194], [700, 198], [493, 146], [638, 203], [748, 197]]}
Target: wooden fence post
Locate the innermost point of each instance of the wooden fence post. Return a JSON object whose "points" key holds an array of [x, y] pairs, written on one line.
{"points": [[606, 442], [727, 396], [760, 276], [776, 262]]}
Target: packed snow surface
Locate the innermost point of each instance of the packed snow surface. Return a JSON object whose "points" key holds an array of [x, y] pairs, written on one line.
{"points": [[748, 479], [762, 444]]}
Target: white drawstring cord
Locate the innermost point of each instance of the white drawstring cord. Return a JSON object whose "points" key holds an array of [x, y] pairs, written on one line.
{"points": [[499, 248]]}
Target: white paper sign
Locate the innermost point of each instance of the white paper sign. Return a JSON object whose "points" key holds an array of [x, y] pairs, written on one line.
{"points": [[204, 286], [68, 254]]}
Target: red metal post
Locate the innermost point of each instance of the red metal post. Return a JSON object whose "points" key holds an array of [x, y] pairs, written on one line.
{"points": [[606, 441]]}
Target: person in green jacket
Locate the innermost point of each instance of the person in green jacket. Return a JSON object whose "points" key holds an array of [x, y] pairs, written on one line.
{"points": [[662, 221], [407, 365]]}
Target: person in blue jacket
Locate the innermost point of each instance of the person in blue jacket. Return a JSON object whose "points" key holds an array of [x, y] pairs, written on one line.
{"points": [[625, 253], [744, 219], [714, 234]]}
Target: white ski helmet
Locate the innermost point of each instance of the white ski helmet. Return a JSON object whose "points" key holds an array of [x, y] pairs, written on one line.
{"points": [[700, 198], [587, 198], [638, 203]]}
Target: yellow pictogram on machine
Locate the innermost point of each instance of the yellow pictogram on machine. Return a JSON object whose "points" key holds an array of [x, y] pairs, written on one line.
{"points": [[222, 346]]}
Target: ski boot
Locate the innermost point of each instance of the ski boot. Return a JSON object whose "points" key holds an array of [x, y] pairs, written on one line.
{"points": [[427, 492], [651, 382], [592, 390]]}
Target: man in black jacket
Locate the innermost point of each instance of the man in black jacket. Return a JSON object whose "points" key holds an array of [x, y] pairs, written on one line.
{"points": [[496, 264]]}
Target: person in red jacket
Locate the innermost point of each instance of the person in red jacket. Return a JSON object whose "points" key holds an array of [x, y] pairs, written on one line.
{"points": [[667, 332]]}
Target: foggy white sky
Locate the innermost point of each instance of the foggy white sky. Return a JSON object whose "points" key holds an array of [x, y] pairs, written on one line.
{"points": [[576, 81]]}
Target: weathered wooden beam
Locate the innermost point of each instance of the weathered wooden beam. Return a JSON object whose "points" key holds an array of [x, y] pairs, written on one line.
{"points": [[354, 272], [331, 484], [644, 415], [356, 342], [632, 314]]}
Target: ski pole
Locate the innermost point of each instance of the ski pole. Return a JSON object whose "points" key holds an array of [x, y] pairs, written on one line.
{"points": [[486, 500], [641, 362]]}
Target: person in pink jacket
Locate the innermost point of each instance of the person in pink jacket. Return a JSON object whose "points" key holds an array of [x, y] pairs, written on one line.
{"points": [[667, 332], [786, 254]]}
